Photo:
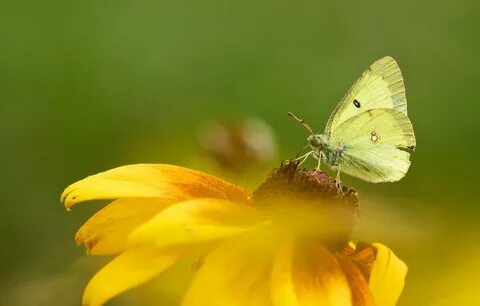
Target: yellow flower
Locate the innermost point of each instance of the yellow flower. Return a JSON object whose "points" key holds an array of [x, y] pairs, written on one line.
{"points": [[287, 244]]}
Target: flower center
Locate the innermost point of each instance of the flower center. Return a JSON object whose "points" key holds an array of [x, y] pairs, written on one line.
{"points": [[309, 204]]}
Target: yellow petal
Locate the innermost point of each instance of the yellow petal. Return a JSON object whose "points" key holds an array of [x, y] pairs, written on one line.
{"points": [[387, 276], [151, 181], [128, 270], [235, 274], [308, 276], [107, 231], [194, 222]]}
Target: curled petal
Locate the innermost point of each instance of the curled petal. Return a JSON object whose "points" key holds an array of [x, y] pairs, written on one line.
{"points": [[151, 181], [363, 255], [106, 232], [361, 295], [387, 276], [235, 274], [128, 270], [194, 222], [307, 276]]}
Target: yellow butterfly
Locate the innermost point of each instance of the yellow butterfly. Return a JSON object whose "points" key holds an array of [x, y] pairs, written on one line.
{"points": [[369, 134]]}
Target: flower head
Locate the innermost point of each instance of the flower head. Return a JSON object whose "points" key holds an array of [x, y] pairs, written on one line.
{"points": [[287, 244]]}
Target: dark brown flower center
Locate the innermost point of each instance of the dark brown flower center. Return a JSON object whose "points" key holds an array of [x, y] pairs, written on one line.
{"points": [[308, 203]]}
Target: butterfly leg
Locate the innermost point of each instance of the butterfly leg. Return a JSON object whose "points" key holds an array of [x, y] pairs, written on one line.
{"points": [[305, 147], [303, 158], [338, 182], [337, 178], [319, 164]]}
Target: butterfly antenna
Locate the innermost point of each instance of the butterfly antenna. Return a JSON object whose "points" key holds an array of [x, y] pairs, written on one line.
{"points": [[305, 125]]}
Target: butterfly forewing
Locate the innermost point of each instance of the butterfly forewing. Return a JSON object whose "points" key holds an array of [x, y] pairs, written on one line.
{"points": [[380, 86]]}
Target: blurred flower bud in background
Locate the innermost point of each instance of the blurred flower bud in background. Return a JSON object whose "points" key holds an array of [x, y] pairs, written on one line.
{"points": [[238, 145]]}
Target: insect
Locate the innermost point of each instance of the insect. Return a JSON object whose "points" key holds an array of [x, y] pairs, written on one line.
{"points": [[368, 135]]}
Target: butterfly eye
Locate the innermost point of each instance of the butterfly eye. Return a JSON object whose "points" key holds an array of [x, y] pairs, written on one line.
{"points": [[356, 103]]}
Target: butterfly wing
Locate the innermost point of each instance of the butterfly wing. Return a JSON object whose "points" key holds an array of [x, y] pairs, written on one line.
{"points": [[376, 145], [380, 86]]}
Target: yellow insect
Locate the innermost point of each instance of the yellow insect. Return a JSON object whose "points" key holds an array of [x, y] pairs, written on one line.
{"points": [[369, 134]]}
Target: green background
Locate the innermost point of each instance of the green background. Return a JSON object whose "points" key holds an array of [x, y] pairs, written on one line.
{"points": [[89, 85]]}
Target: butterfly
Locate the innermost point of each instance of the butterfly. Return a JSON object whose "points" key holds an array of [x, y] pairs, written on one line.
{"points": [[369, 134]]}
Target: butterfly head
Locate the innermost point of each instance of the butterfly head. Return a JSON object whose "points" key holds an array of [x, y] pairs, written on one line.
{"points": [[317, 141]]}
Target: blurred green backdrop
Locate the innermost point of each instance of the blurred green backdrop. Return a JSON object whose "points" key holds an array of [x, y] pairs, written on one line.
{"points": [[89, 85]]}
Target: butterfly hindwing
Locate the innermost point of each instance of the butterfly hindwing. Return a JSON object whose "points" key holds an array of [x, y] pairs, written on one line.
{"points": [[380, 86], [376, 145]]}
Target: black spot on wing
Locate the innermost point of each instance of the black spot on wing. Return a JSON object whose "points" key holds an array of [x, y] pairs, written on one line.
{"points": [[356, 103]]}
